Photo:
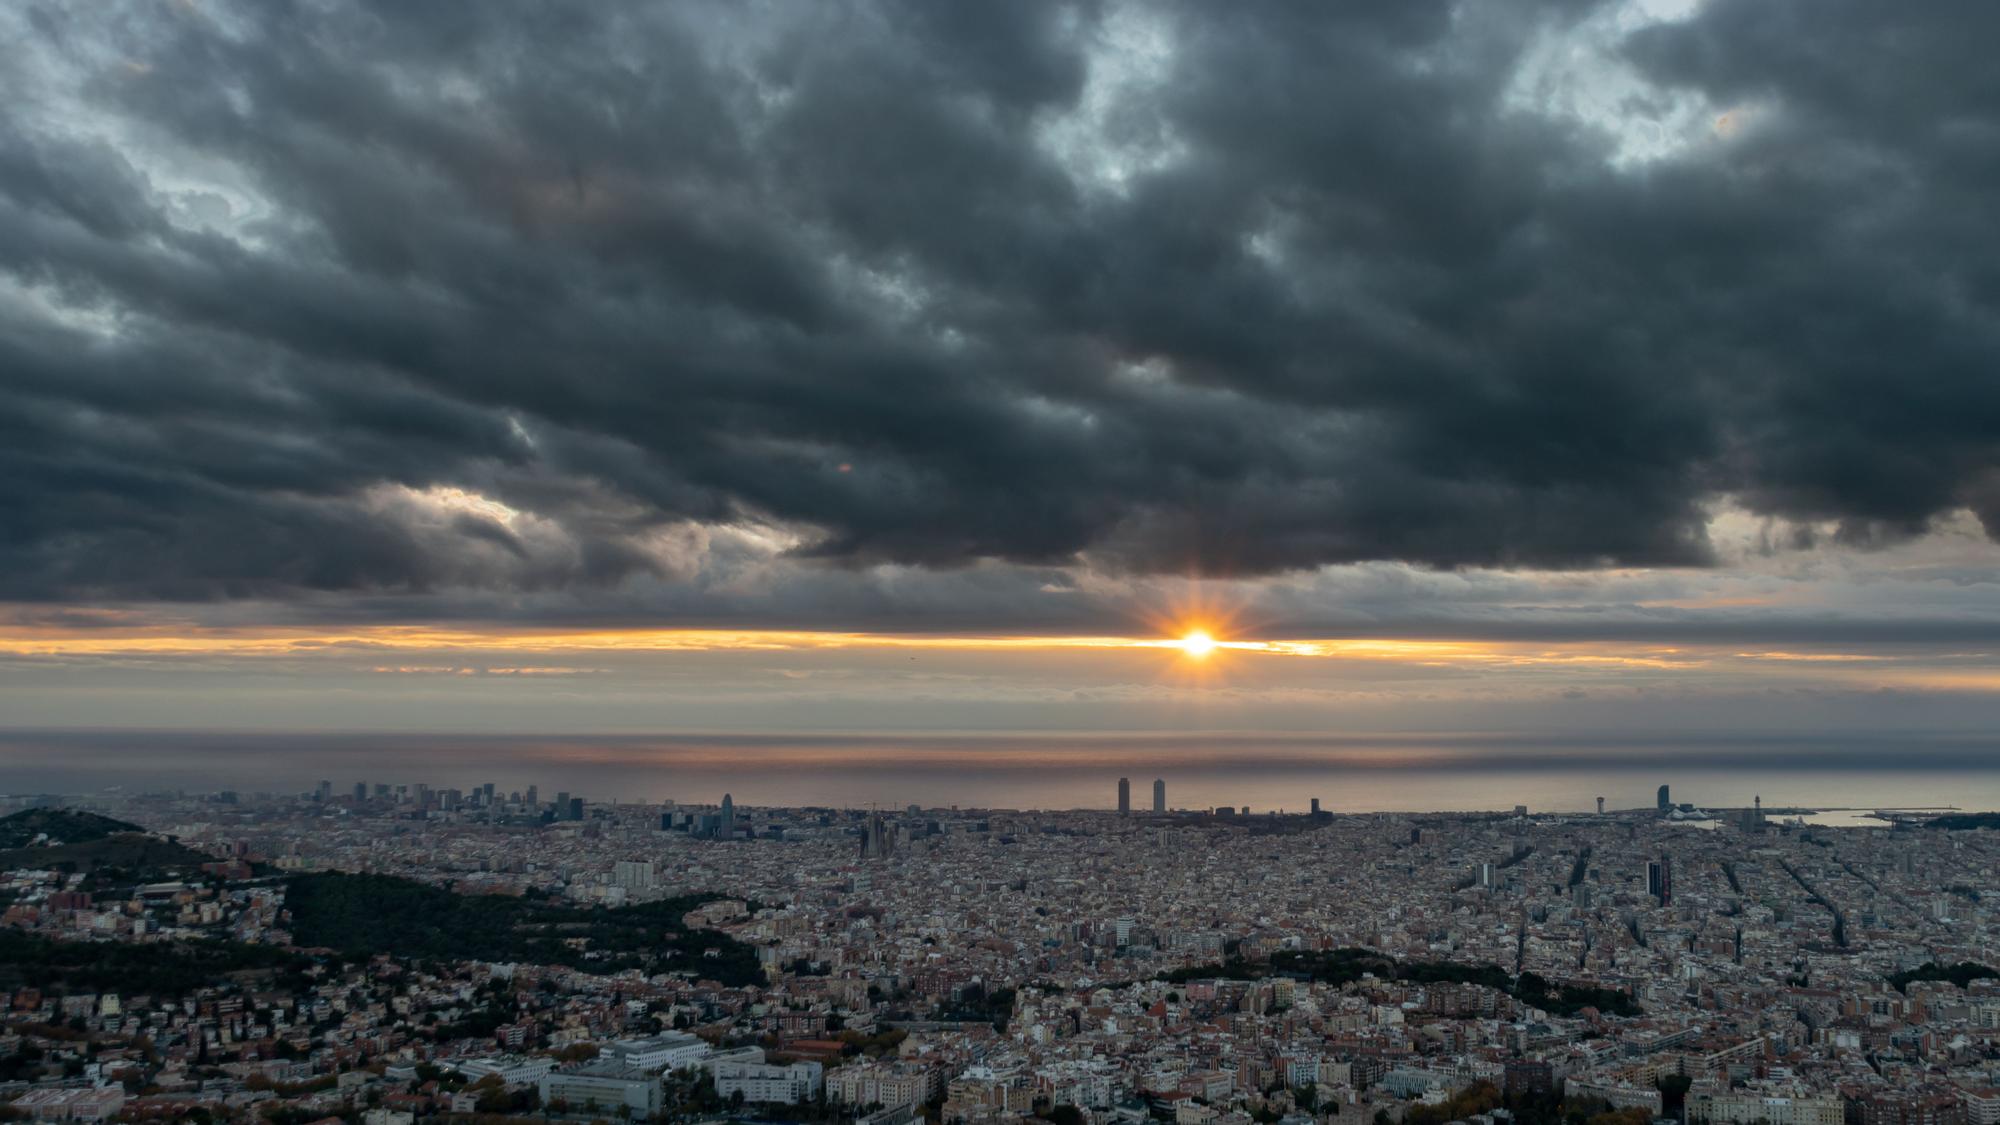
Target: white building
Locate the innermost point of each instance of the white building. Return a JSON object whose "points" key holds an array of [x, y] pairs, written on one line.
{"points": [[603, 1086], [514, 1070], [669, 1051], [768, 1082], [1733, 1108], [633, 874], [70, 1104], [1982, 1105], [889, 1084]]}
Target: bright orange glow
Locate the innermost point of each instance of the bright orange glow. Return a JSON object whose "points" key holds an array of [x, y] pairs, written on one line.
{"points": [[1197, 649]]}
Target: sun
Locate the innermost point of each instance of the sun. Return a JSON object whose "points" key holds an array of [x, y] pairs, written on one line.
{"points": [[1198, 644]]}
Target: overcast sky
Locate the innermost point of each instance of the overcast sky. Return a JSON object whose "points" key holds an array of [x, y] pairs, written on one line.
{"points": [[1544, 364]]}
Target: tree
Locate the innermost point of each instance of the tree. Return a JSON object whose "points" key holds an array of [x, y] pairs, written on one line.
{"points": [[1673, 1094]]}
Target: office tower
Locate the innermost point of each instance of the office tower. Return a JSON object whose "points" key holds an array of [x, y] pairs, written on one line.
{"points": [[1124, 796], [1159, 794], [1665, 804], [1660, 879], [534, 796], [562, 804], [1315, 806], [728, 829], [324, 792], [1600, 806], [360, 791]]}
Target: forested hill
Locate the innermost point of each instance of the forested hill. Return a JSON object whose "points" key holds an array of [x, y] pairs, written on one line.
{"points": [[362, 915], [64, 826]]}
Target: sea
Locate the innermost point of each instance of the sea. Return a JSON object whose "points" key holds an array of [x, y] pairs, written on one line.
{"points": [[1837, 779]]}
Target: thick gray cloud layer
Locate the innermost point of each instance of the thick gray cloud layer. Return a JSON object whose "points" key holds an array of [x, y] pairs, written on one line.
{"points": [[416, 297]]}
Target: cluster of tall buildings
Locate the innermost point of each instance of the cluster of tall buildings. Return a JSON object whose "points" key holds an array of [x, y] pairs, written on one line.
{"points": [[482, 797], [719, 825]]}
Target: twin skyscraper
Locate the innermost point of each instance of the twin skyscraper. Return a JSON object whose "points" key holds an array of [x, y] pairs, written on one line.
{"points": [[1125, 796]]}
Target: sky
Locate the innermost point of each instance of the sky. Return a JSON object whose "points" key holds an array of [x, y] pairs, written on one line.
{"points": [[1523, 368]]}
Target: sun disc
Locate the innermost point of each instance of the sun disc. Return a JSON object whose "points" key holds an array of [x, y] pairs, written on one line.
{"points": [[1198, 644]]}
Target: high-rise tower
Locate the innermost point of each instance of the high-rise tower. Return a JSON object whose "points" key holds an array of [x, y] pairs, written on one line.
{"points": [[728, 830], [1660, 879], [1665, 802], [1159, 795], [1124, 796]]}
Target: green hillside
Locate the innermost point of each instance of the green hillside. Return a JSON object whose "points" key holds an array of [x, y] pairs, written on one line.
{"points": [[66, 826], [362, 915]]}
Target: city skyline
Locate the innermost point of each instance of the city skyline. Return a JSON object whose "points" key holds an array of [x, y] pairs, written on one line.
{"points": [[659, 963]]}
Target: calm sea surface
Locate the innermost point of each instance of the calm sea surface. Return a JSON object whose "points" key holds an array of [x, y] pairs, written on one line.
{"points": [[1348, 773]]}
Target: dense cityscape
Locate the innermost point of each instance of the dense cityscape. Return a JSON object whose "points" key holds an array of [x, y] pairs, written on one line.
{"points": [[384, 952]]}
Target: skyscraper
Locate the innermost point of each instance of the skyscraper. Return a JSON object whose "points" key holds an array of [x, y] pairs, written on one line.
{"points": [[728, 830], [1315, 806], [1600, 806], [1124, 796], [1665, 804], [1159, 795], [1660, 879]]}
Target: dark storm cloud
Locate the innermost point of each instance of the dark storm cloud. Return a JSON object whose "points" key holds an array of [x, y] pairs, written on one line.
{"points": [[293, 290]]}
